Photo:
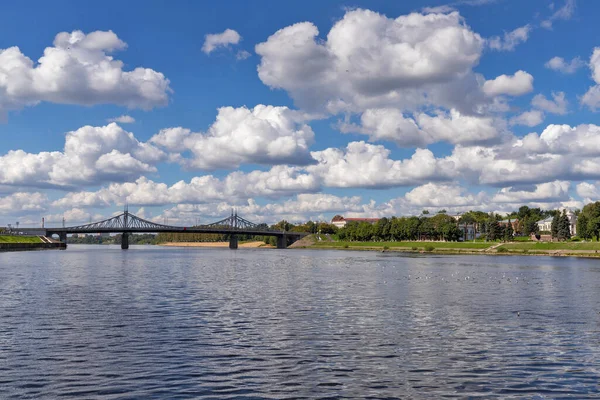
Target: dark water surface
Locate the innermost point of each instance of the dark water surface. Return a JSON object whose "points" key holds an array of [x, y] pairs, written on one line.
{"points": [[150, 322]]}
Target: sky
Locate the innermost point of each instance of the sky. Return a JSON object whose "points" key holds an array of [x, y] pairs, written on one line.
{"points": [[296, 110]]}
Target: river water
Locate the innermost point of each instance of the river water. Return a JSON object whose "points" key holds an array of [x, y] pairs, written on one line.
{"points": [[152, 322]]}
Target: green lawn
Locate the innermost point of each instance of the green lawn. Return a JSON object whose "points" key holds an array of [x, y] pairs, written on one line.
{"points": [[19, 239], [419, 245], [553, 246]]}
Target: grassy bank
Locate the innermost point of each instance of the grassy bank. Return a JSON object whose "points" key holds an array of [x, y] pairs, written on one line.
{"points": [[19, 239], [405, 245], [553, 246]]}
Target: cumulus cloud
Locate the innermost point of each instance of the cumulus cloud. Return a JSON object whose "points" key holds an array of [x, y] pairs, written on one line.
{"points": [[516, 85], [510, 40], [91, 155], [366, 165], [424, 129], [559, 64], [592, 97], [544, 192], [279, 181], [21, 202], [123, 119], [588, 191], [262, 135], [78, 70], [226, 38], [443, 195], [528, 118], [371, 61], [558, 104]]}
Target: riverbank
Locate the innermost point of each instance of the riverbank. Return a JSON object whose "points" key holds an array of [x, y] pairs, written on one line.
{"points": [[559, 249], [215, 244], [24, 243]]}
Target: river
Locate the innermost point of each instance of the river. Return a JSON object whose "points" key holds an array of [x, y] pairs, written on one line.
{"points": [[154, 322]]}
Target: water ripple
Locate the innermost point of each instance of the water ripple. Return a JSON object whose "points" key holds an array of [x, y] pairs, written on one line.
{"points": [[97, 322]]}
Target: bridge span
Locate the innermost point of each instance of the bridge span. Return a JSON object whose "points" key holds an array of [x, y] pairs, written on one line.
{"points": [[127, 224]]}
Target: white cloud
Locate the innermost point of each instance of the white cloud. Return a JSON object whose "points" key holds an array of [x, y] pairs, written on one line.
{"points": [[123, 119], [91, 155], [262, 135], [559, 64], [563, 13], [510, 40], [423, 129], [78, 70], [544, 192], [558, 104], [442, 195], [516, 85], [279, 181], [366, 165], [242, 55], [528, 118], [588, 191], [21, 202], [592, 97], [371, 61], [215, 40]]}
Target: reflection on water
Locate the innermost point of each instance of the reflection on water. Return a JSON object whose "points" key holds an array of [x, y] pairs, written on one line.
{"points": [[98, 322]]}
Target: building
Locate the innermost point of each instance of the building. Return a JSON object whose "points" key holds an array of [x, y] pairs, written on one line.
{"points": [[545, 225], [341, 222], [513, 222], [469, 232]]}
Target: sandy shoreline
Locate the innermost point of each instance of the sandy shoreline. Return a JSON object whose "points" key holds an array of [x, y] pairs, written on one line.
{"points": [[214, 244]]}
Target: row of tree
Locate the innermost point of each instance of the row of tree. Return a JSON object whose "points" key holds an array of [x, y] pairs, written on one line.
{"points": [[588, 221]]}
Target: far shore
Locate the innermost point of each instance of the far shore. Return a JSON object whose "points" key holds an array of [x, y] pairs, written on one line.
{"points": [[215, 244]]}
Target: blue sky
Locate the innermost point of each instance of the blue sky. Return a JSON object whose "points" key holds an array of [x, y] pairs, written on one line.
{"points": [[391, 108]]}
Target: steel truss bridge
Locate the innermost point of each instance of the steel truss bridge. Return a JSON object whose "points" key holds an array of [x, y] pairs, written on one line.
{"points": [[127, 223]]}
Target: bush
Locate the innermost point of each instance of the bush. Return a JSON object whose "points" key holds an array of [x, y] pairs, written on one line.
{"points": [[414, 248], [525, 251], [575, 239], [345, 246], [502, 250], [429, 248], [386, 247]]}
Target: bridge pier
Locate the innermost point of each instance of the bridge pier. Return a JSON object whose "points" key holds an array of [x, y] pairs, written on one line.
{"points": [[233, 242], [125, 241], [62, 237], [281, 242]]}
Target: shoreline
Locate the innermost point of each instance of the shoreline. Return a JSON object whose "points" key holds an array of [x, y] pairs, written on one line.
{"points": [[474, 252], [247, 245]]}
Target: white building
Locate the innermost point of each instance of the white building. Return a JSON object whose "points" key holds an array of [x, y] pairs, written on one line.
{"points": [[546, 224]]}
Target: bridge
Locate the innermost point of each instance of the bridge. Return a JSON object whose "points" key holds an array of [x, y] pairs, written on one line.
{"points": [[127, 224]]}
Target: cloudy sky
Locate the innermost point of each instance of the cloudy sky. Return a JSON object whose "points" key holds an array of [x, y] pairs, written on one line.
{"points": [[296, 110]]}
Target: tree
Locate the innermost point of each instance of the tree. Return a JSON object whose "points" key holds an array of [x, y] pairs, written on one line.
{"points": [[582, 227], [508, 232], [554, 226], [425, 212], [493, 229], [563, 231]]}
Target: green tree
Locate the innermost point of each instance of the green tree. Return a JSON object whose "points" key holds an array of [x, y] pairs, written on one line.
{"points": [[563, 231], [554, 226], [493, 229], [508, 232], [582, 227]]}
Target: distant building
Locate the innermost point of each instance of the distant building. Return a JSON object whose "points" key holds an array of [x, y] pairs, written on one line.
{"points": [[546, 224], [469, 231], [341, 222], [513, 222]]}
